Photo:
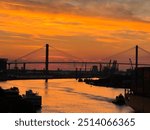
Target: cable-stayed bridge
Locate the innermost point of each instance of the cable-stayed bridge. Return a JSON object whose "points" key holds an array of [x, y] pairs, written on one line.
{"points": [[48, 58]]}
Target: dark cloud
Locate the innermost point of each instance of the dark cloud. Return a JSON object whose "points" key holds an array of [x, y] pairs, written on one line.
{"points": [[13, 35], [121, 9], [17, 38]]}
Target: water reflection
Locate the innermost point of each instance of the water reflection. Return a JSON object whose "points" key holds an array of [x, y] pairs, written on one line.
{"points": [[46, 88], [68, 95]]}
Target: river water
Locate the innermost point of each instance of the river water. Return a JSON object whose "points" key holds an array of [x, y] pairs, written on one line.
{"points": [[70, 96]]}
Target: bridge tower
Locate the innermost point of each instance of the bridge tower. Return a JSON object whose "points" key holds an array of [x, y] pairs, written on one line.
{"points": [[136, 66], [46, 63], [136, 57]]}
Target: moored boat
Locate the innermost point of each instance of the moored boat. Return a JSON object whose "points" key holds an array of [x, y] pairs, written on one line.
{"points": [[33, 98]]}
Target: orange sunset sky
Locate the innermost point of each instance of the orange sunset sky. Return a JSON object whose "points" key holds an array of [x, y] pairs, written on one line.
{"points": [[90, 29]]}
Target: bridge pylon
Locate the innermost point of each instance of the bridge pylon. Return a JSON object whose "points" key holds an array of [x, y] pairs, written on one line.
{"points": [[46, 62]]}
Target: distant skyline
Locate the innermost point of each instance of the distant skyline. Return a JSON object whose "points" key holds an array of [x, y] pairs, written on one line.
{"points": [[90, 29]]}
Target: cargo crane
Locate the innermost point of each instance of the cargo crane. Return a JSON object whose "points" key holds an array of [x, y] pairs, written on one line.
{"points": [[131, 63]]}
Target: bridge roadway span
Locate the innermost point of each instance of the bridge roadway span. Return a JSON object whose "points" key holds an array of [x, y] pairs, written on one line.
{"points": [[75, 62]]}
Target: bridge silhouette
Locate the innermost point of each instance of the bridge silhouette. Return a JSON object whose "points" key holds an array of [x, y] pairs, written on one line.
{"points": [[132, 57], [76, 60]]}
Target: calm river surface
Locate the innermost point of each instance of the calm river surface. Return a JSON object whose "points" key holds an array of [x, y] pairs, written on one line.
{"points": [[68, 95]]}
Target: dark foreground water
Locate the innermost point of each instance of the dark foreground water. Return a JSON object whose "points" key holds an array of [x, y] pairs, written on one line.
{"points": [[68, 95]]}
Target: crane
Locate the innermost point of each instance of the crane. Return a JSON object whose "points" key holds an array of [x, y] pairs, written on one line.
{"points": [[131, 63]]}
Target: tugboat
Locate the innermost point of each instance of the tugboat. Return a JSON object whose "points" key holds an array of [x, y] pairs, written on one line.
{"points": [[33, 98], [120, 100], [80, 80]]}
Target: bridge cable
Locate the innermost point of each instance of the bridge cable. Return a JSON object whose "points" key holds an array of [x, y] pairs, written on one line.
{"points": [[28, 54], [115, 55], [148, 52], [66, 53]]}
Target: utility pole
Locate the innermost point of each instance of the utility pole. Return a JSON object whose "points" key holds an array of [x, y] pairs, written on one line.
{"points": [[46, 63]]}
